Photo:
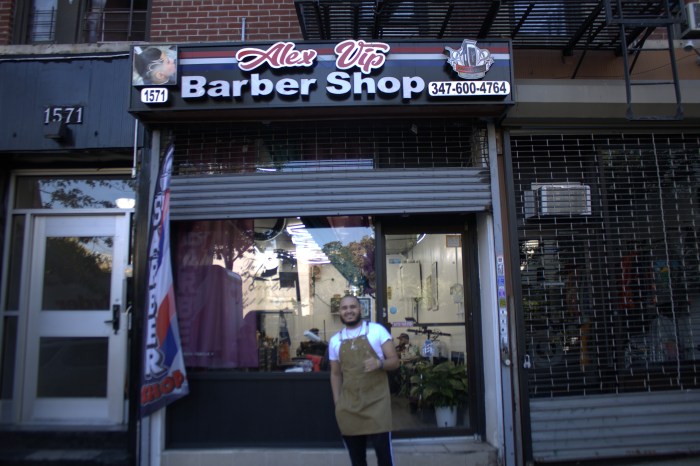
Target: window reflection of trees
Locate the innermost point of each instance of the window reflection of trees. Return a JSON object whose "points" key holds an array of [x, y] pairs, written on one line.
{"points": [[72, 193], [77, 273], [82, 193], [237, 276]]}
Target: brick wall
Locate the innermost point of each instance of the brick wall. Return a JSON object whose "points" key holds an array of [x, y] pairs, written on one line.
{"points": [[222, 20], [6, 22]]}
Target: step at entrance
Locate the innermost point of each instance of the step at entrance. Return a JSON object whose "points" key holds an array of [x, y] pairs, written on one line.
{"points": [[50, 447], [414, 452]]}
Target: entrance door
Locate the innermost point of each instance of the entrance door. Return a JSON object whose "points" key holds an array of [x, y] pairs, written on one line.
{"points": [[425, 309], [75, 360]]}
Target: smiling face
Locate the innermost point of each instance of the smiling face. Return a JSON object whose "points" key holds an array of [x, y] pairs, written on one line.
{"points": [[350, 311]]}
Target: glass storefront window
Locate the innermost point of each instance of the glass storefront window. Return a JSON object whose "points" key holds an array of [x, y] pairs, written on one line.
{"points": [[261, 297], [260, 294]]}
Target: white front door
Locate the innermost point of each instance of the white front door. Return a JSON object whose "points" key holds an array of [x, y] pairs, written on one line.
{"points": [[76, 339]]}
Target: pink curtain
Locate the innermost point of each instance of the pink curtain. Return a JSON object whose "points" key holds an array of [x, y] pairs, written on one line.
{"points": [[213, 330]]}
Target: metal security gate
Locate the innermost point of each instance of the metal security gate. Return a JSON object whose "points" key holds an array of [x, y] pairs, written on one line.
{"points": [[269, 170], [609, 236]]}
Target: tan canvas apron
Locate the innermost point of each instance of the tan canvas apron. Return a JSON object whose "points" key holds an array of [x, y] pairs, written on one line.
{"points": [[364, 406]]}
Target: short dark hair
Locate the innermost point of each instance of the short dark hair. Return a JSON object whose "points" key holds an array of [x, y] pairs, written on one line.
{"points": [[145, 58], [351, 296]]}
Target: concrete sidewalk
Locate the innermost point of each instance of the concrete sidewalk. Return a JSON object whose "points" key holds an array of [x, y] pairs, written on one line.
{"points": [[461, 451], [676, 460]]}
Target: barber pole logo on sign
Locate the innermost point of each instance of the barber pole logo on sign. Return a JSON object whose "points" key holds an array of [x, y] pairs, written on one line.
{"points": [[469, 61], [471, 64]]}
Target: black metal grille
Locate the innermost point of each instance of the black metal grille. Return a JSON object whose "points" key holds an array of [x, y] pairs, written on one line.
{"points": [[319, 146], [610, 261], [560, 24]]}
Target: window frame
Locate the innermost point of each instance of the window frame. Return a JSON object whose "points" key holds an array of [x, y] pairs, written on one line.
{"points": [[70, 24]]}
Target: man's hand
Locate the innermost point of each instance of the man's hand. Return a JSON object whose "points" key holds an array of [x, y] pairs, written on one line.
{"points": [[372, 364]]}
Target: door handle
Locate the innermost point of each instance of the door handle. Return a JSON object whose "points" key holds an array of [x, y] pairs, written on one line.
{"points": [[116, 311]]}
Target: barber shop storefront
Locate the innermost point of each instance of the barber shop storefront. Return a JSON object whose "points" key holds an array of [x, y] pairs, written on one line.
{"points": [[306, 171]]}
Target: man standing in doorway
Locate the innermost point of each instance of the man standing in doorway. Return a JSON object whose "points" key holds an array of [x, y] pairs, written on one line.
{"points": [[360, 354]]}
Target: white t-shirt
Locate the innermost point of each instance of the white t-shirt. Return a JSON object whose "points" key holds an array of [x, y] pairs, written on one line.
{"points": [[376, 334]]}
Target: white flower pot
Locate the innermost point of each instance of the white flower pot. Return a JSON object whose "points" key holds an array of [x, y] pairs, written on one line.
{"points": [[446, 416]]}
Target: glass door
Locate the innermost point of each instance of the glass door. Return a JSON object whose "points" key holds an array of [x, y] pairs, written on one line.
{"points": [[75, 359], [425, 310]]}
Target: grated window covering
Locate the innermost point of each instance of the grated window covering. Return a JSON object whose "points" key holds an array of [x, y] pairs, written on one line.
{"points": [[610, 261], [328, 146]]}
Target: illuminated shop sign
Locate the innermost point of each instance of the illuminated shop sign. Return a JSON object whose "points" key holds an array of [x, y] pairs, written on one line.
{"points": [[351, 72]]}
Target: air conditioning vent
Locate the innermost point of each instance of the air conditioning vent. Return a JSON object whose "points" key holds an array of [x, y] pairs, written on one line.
{"points": [[690, 29], [558, 200]]}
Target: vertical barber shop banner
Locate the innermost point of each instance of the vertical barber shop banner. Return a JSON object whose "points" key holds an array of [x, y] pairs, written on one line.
{"points": [[163, 377]]}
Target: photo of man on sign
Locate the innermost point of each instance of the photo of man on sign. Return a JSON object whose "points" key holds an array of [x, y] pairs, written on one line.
{"points": [[154, 66]]}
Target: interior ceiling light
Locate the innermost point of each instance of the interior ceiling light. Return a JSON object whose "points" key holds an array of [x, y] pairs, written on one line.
{"points": [[307, 249]]}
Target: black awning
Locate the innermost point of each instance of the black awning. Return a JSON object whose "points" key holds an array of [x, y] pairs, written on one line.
{"points": [[551, 24]]}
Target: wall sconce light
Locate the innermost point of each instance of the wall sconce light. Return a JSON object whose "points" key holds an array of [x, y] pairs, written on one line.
{"points": [[56, 130]]}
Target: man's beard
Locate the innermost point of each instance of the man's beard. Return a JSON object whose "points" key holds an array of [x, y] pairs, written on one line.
{"points": [[351, 323]]}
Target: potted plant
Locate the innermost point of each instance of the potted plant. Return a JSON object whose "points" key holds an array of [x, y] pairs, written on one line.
{"points": [[442, 386]]}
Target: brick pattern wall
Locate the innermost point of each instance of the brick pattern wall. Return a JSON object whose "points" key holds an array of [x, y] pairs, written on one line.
{"points": [[222, 20], [6, 22]]}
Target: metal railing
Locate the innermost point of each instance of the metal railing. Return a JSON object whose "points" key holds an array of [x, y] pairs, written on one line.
{"points": [[113, 25], [42, 26], [97, 25]]}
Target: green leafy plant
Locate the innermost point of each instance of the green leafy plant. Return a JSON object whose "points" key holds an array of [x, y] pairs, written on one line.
{"points": [[444, 384]]}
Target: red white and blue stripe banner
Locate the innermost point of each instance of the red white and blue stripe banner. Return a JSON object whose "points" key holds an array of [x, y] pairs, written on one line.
{"points": [[163, 378]]}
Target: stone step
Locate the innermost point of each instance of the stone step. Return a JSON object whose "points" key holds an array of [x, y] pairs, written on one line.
{"points": [[44, 457], [63, 439], [64, 447]]}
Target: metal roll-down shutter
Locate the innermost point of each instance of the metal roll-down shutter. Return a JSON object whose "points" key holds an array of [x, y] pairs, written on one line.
{"points": [[330, 193], [609, 236], [329, 168]]}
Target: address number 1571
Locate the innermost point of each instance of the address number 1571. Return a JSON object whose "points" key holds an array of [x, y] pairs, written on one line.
{"points": [[154, 95]]}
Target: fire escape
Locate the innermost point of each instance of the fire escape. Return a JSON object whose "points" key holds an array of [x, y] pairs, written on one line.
{"points": [[622, 26]]}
